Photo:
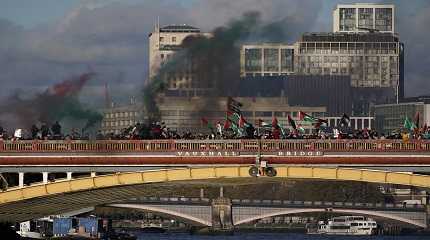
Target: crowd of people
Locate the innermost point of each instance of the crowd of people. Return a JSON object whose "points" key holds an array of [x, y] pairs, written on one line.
{"points": [[159, 130]]}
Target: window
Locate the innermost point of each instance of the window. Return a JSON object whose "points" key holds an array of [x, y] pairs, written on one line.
{"points": [[162, 56], [173, 39], [161, 39]]}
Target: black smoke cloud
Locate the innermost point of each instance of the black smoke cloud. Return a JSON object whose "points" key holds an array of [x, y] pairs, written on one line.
{"points": [[215, 60]]}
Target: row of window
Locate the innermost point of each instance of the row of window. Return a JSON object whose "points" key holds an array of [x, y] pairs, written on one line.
{"points": [[121, 114], [163, 39], [122, 123]]}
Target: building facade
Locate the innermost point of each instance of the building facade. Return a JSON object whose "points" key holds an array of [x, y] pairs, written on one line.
{"points": [[364, 17], [391, 117], [164, 43], [184, 114], [115, 119], [373, 61]]}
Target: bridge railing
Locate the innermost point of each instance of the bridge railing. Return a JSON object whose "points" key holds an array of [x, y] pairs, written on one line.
{"points": [[251, 145]]}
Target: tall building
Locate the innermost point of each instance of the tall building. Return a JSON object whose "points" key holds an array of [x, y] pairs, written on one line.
{"points": [[364, 17], [374, 62], [267, 59], [164, 42]]}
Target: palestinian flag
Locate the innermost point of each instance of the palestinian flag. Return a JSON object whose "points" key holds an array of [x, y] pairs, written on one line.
{"points": [[300, 129], [345, 120], [275, 123], [227, 124], [292, 122], [242, 122], [264, 124], [408, 124], [206, 123], [233, 105], [417, 119], [307, 118]]}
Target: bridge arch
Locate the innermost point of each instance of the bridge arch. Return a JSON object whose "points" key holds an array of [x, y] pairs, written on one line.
{"points": [[187, 216], [348, 211], [12, 198]]}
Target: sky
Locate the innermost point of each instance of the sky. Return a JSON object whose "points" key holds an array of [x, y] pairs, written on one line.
{"points": [[43, 42]]}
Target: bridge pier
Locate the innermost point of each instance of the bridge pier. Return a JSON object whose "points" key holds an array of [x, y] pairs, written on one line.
{"points": [[21, 179], [69, 175], [45, 177], [222, 219]]}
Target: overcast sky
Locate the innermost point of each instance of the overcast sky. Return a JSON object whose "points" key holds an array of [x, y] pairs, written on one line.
{"points": [[45, 41]]}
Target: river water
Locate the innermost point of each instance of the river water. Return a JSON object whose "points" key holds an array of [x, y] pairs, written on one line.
{"points": [[269, 236]]}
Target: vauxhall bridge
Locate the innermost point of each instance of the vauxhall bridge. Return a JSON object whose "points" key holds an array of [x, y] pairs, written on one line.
{"points": [[130, 167]]}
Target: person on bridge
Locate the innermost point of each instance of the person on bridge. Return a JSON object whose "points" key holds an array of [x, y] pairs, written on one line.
{"points": [[56, 131], [45, 131], [34, 131], [1, 133]]}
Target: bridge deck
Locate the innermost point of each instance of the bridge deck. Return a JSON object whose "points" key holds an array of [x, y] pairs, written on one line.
{"points": [[180, 152]]}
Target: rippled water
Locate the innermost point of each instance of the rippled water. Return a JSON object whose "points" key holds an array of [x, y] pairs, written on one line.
{"points": [[269, 236]]}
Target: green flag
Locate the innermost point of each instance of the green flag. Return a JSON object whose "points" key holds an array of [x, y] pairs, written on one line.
{"points": [[408, 124]]}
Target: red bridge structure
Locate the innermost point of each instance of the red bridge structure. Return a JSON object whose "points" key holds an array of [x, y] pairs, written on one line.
{"points": [[209, 152]]}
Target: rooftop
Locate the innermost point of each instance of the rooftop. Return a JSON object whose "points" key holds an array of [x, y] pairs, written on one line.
{"points": [[179, 28], [349, 37]]}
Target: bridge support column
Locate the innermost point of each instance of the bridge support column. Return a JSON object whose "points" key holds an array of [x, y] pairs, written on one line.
{"points": [[69, 175], [45, 177], [21, 179], [428, 215], [93, 174], [221, 215]]}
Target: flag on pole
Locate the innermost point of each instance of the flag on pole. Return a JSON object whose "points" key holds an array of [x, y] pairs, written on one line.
{"points": [[408, 124], [292, 122], [300, 129], [207, 123], [264, 124], [417, 119], [233, 105], [227, 124], [242, 121], [345, 120], [306, 117], [275, 123]]}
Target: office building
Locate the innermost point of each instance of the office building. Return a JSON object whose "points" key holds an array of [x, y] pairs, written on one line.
{"points": [[364, 17], [330, 91], [373, 61], [391, 117]]}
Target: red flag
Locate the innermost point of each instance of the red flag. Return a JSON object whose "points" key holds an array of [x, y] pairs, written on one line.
{"points": [[275, 122], [242, 121], [292, 122], [301, 115], [417, 119], [227, 124]]}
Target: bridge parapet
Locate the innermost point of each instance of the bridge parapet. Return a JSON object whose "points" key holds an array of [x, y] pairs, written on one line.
{"points": [[252, 145]]}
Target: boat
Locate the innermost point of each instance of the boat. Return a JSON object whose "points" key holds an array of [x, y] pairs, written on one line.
{"points": [[152, 228], [35, 229], [347, 225]]}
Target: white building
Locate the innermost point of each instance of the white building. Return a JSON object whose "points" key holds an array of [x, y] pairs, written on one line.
{"points": [[364, 17], [164, 42]]}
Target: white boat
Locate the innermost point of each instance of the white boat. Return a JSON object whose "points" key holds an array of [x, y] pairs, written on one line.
{"points": [[35, 229], [347, 225]]}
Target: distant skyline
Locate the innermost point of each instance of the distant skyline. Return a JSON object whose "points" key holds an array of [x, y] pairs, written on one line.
{"points": [[45, 41]]}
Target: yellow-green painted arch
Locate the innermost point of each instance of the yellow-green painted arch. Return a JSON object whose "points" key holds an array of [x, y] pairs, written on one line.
{"points": [[189, 174]]}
